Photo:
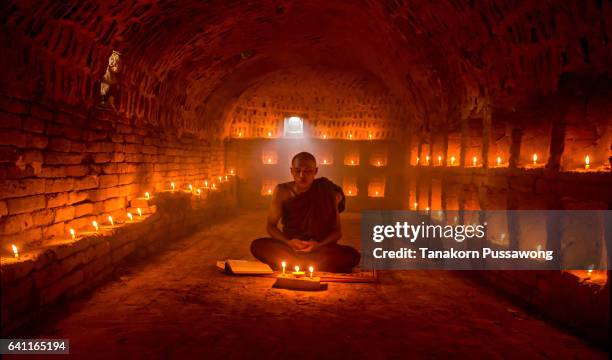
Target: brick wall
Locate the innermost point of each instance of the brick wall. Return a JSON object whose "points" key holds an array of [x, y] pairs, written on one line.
{"points": [[62, 169]]}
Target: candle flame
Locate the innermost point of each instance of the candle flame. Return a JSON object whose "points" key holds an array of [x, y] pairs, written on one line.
{"points": [[439, 160], [376, 193], [452, 160], [378, 163], [139, 212], [95, 225], [190, 187], [352, 162], [427, 159], [418, 159], [232, 171], [172, 185], [240, 134], [214, 186], [110, 220], [324, 136], [283, 264], [226, 177], [269, 191], [15, 250], [324, 161], [370, 136], [474, 160], [147, 195], [311, 270], [199, 192], [269, 133], [350, 136], [206, 184], [535, 158], [350, 192], [72, 233], [297, 268], [587, 161], [498, 160], [129, 215], [269, 161], [416, 205]]}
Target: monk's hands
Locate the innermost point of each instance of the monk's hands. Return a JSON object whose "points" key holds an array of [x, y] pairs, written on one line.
{"points": [[298, 244], [311, 245]]}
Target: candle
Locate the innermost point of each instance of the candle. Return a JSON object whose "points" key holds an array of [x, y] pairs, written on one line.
{"points": [[378, 163], [269, 191], [352, 162], [225, 177], [240, 134], [283, 264], [376, 192], [324, 136], [110, 220], [206, 184], [95, 225], [190, 188], [535, 159], [439, 160], [232, 171], [129, 215], [311, 270], [417, 162], [416, 205], [199, 192], [324, 161], [139, 212], [269, 161], [269, 133], [15, 251], [370, 136], [297, 268], [427, 160], [427, 209], [147, 196], [214, 186], [499, 161], [220, 179], [72, 234], [474, 160], [350, 192], [587, 162], [172, 185], [453, 160]]}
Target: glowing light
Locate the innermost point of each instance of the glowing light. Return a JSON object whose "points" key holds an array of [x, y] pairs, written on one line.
{"points": [[370, 136], [416, 205], [587, 162], [147, 196], [311, 270], [376, 193], [418, 159], [269, 133], [269, 191], [206, 184], [535, 159], [225, 177], [324, 136], [283, 264], [324, 161], [95, 225], [427, 209], [15, 251], [269, 160], [232, 172], [350, 192], [220, 178], [474, 161], [214, 186], [240, 134], [499, 161], [439, 160], [453, 160], [129, 215], [72, 233], [199, 192], [110, 220], [350, 136], [297, 268], [190, 188], [172, 185], [539, 247], [427, 160], [352, 162], [378, 163], [139, 212]]}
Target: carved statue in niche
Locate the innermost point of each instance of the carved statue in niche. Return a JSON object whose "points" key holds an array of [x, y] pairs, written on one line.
{"points": [[109, 79]]}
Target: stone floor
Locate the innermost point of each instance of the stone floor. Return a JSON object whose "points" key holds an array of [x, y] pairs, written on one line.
{"points": [[177, 305]]}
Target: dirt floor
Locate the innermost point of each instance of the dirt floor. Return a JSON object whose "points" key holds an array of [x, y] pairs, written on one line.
{"points": [[177, 305]]}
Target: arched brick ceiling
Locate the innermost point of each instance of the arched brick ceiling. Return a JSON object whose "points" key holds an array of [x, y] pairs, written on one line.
{"points": [[441, 59]]}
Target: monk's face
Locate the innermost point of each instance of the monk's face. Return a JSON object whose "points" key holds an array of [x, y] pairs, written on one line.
{"points": [[303, 172]]}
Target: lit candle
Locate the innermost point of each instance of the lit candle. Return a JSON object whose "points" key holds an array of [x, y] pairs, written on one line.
{"points": [[283, 264], [232, 171], [376, 192], [416, 205], [297, 268], [427, 209], [350, 136], [220, 178], [199, 192], [350, 192], [324, 161], [590, 270], [190, 188], [172, 185], [225, 177], [587, 162], [147, 196], [214, 186], [269, 161], [139, 212], [129, 215], [72, 233], [378, 163], [370, 136], [311, 270], [474, 160], [439, 160], [15, 251], [535, 159], [240, 134], [499, 161], [269, 133], [269, 191], [427, 160], [110, 220], [206, 184], [453, 160], [95, 225], [539, 247], [352, 162], [418, 159], [324, 136]]}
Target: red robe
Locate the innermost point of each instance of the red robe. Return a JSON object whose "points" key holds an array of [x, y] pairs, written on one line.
{"points": [[312, 214]]}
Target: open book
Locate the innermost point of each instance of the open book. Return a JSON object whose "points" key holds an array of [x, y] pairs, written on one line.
{"points": [[245, 267]]}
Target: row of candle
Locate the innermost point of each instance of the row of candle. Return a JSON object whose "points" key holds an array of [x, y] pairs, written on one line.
{"points": [[587, 161], [297, 271], [94, 224], [324, 136]]}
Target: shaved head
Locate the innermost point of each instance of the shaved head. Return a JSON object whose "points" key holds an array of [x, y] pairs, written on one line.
{"points": [[304, 156]]}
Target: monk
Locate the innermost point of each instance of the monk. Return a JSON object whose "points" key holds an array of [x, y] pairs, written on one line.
{"points": [[309, 210]]}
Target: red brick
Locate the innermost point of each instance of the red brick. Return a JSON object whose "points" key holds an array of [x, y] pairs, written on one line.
{"points": [[59, 144], [18, 188], [113, 204], [57, 158], [41, 112], [34, 125], [64, 213], [26, 204], [53, 171], [100, 147], [12, 137], [76, 170], [10, 121], [83, 209], [43, 217], [8, 154], [37, 141], [16, 223], [55, 200], [14, 106], [3, 208], [88, 182], [55, 231], [107, 181]]}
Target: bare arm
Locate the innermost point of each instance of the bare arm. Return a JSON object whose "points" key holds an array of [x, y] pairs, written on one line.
{"points": [[274, 215]]}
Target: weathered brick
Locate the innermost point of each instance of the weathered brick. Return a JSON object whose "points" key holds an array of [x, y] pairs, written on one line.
{"points": [[8, 154], [33, 125], [70, 132], [51, 293], [100, 147], [64, 213], [77, 147], [12, 105], [126, 179], [57, 158], [9, 121], [28, 236], [88, 182], [55, 231], [19, 188], [76, 170], [102, 157], [59, 144], [37, 141], [12, 137], [118, 157], [59, 185], [113, 204], [17, 223], [26, 204], [3, 208], [77, 197], [107, 181], [43, 217], [41, 112], [83, 209], [55, 200]]}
